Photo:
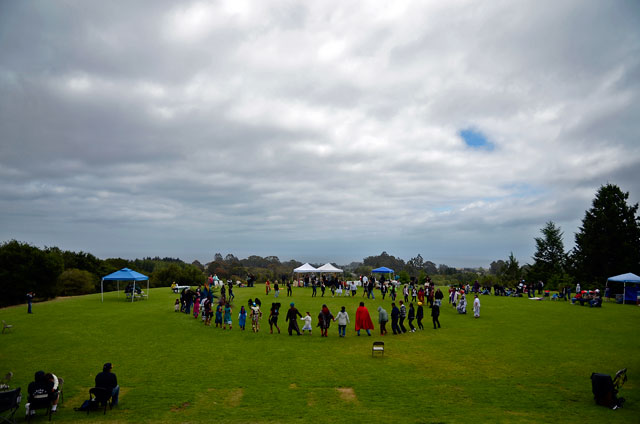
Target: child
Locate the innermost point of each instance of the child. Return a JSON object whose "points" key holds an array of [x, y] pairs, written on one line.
{"points": [[208, 313], [177, 305], [196, 307], [343, 320], [307, 323], [274, 312], [242, 318], [218, 316], [227, 316]]}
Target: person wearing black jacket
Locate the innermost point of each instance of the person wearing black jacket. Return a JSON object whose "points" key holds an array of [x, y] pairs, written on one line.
{"points": [[293, 321], [420, 316], [395, 314], [108, 380], [40, 387], [435, 313]]}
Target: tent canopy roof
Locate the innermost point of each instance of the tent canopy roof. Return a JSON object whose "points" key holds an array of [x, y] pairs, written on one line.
{"points": [[625, 278], [126, 274], [329, 268], [305, 268], [382, 270]]}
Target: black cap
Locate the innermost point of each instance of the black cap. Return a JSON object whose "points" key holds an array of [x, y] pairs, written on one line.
{"points": [[107, 366]]}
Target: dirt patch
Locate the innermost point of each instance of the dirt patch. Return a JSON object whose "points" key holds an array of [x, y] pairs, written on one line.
{"points": [[181, 407], [347, 394], [235, 397], [293, 386]]}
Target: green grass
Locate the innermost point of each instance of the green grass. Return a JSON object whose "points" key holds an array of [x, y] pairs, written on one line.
{"points": [[522, 361]]}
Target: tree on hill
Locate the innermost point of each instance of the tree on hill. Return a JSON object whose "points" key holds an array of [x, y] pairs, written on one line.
{"points": [[511, 272], [550, 258], [608, 242]]}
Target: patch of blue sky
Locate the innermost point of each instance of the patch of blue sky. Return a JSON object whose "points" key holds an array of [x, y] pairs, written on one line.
{"points": [[476, 139], [523, 190]]}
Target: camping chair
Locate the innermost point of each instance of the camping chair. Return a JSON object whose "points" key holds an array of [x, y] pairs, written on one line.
{"points": [[9, 404], [377, 347], [60, 387], [6, 380], [6, 326], [102, 396], [39, 401]]}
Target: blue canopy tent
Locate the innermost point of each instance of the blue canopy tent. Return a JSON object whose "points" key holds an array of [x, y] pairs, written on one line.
{"points": [[631, 293], [383, 270], [125, 274]]}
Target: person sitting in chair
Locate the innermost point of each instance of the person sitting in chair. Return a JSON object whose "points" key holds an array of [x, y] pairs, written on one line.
{"points": [[107, 380], [38, 389]]}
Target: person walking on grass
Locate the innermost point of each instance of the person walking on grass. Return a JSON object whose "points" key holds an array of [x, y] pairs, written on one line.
{"points": [[383, 318], [314, 288], [242, 318], [395, 315], [323, 287], [276, 289], [405, 293], [227, 316], [324, 321], [420, 316], [219, 312], [293, 320], [274, 313], [392, 292], [403, 316], [343, 320], [411, 316], [363, 320], [208, 313], [435, 313], [289, 289], [476, 307], [267, 287], [256, 314]]}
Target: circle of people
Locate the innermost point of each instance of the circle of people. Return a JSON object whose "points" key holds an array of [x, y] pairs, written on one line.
{"points": [[202, 301]]}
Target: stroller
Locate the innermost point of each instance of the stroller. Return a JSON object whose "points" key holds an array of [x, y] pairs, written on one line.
{"points": [[605, 390]]}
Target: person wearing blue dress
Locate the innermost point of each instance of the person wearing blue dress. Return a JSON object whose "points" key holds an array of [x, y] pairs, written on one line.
{"points": [[242, 317], [227, 317]]}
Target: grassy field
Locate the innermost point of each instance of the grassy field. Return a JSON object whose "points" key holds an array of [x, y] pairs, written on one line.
{"points": [[522, 361]]}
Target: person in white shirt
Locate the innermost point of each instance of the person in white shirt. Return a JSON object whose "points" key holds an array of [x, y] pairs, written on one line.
{"points": [[476, 307]]}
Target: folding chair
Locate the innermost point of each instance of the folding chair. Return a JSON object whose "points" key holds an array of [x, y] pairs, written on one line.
{"points": [[102, 396], [39, 401], [377, 347], [9, 404], [6, 326], [60, 387]]}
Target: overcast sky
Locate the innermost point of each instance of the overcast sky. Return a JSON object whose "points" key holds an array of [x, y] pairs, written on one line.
{"points": [[313, 130]]}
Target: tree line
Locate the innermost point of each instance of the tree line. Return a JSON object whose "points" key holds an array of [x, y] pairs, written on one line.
{"points": [[607, 243]]}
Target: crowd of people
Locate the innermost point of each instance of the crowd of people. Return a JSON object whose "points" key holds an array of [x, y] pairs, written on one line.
{"points": [[407, 306]]}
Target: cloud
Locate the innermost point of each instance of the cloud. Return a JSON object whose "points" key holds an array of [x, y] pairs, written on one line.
{"points": [[324, 131]]}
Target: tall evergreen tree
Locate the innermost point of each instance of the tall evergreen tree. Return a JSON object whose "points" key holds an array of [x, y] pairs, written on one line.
{"points": [[608, 242], [511, 271], [550, 258]]}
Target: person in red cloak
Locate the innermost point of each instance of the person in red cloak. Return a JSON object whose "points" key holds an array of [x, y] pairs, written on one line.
{"points": [[363, 320]]}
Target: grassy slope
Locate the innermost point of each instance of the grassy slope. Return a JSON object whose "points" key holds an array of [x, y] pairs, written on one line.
{"points": [[522, 361]]}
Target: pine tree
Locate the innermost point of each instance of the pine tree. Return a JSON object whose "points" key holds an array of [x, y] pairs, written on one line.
{"points": [[608, 242], [550, 258]]}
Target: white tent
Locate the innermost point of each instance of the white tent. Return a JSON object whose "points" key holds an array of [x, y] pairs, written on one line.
{"points": [[305, 269], [329, 268]]}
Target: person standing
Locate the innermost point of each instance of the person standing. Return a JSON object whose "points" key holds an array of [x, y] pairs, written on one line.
{"points": [[476, 307], [267, 287], [108, 381], [354, 289], [276, 289], [363, 319], [578, 288], [231, 295], [395, 314], [256, 314], [383, 318], [383, 290], [435, 313], [307, 323], [405, 293], [438, 297], [314, 288], [196, 306], [293, 320], [343, 320], [420, 316], [365, 286], [30, 297], [403, 315], [289, 289]]}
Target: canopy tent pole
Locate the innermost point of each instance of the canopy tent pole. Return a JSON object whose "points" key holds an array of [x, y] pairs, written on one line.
{"points": [[102, 289], [624, 296]]}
